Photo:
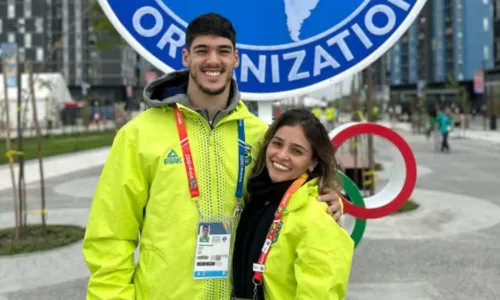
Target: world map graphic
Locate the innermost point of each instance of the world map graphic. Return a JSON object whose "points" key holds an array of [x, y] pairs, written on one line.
{"points": [[270, 22]]}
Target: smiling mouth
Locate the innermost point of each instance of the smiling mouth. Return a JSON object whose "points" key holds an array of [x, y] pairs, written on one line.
{"points": [[280, 166], [212, 73]]}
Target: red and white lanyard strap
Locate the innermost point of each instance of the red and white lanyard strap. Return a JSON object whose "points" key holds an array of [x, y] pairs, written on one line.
{"points": [[258, 268], [186, 153], [188, 157]]}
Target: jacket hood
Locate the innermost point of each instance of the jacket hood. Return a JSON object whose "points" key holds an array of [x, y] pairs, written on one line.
{"points": [[172, 88]]}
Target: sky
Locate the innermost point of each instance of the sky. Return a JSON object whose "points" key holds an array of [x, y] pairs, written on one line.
{"points": [[334, 91]]}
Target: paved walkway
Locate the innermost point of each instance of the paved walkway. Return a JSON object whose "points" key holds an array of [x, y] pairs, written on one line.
{"points": [[489, 136], [54, 166]]}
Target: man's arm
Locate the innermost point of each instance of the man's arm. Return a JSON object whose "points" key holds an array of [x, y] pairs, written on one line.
{"points": [[114, 223], [335, 206]]}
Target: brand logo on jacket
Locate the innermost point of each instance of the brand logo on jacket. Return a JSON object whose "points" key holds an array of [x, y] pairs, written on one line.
{"points": [[248, 154], [172, 158], [286, 47]]}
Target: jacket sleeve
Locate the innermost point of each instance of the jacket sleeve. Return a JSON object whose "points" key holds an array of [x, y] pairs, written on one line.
{"points": [[114, 222], [323, 264]]}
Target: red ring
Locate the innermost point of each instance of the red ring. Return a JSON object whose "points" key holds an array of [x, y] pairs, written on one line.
{"points": [[409, 159]]}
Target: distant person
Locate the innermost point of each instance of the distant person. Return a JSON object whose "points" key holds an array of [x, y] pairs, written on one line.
{"points": [[317, 111], [308, 257], [445, 125], [330, 115]]}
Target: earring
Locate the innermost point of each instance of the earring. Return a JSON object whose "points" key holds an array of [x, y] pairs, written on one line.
{"points": [[311, 169]]}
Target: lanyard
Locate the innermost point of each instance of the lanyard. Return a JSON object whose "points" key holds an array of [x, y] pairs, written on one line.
{"points": [[188, 157], [275, 229]]}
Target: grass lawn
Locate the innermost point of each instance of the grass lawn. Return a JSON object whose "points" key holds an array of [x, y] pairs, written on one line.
{"points": [[60, 144], [33, 240], [410, 205]]}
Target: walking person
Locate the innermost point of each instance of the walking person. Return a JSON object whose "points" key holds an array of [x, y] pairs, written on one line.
{"points": [[445, 125], [174, 180], [285, 247]]}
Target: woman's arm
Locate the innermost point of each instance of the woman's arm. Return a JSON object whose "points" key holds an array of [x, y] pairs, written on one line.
{"points": [[323, 264]]}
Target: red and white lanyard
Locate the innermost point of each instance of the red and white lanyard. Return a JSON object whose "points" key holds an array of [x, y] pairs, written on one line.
{"points": [[275, 229], [186, 153], [188, 157]]}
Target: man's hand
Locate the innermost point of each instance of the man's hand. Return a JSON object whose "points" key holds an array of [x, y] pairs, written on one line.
{"points": [[333, 200]]}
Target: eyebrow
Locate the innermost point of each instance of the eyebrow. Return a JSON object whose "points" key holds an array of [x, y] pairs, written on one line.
{"points": [[297, 145]]}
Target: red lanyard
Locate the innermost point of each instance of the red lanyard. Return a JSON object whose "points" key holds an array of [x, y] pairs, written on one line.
{"points": [[258, 268], [186, 153], [188, 157]]}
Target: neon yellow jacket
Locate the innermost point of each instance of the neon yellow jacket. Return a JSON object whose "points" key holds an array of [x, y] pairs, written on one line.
{"points": [[317, 112], [312, 258], [143, 189], [330, 113]]}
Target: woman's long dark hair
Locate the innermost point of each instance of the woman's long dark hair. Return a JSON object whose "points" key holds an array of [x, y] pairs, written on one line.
{"points": [[316, 134]]}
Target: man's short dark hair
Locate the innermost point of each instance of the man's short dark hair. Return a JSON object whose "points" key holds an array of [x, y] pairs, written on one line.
{"points": [[210, 24]]}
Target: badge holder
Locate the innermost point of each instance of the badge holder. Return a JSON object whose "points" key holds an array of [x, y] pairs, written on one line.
{"points": [[213, 248]]}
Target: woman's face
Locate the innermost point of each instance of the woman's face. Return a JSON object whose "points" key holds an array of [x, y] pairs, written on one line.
{"points": [[289, 154]]}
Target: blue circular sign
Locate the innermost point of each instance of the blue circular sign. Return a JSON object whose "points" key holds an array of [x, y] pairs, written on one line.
{"points": [[286, 47]]}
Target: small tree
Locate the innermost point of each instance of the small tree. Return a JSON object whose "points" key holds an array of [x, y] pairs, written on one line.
{"points": [[462, 96], [107, 38]]}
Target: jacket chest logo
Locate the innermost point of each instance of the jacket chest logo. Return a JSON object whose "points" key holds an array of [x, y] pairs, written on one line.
{"points": [[172, 158], [248, 154]]}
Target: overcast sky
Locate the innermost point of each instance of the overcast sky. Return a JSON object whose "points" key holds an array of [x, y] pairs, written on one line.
{"points": [[334, 91]]}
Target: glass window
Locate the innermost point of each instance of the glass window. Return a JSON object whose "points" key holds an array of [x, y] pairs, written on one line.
{"points": [[27, 40], [39, 54], [11, 11]]}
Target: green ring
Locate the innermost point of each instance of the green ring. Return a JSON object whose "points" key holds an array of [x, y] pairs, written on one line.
{"points": [[357, 199]]}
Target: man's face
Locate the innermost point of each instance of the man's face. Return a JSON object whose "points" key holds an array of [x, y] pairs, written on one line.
{"points": [[205, 232], [211, 61]]}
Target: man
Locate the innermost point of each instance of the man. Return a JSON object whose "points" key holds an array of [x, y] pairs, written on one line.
{"points": [[204, 238], [177, 164]]}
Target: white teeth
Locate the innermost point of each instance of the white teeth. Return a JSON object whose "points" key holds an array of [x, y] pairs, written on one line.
{"points": [[280, 167], [212, 73]]}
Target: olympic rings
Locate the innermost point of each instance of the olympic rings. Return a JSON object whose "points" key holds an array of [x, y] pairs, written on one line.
{"points": [[355, 195], [402, 182]]}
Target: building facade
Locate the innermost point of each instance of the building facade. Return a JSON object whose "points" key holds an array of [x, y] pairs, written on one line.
{"points": [[23, 22], [450, 37], [491, 99], [58, 37]]}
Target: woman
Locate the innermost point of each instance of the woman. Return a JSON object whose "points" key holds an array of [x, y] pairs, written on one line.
{"points": [[311, 256]]}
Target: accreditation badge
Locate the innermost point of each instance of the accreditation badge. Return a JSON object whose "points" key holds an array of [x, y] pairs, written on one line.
{"points": [[213, 248]]}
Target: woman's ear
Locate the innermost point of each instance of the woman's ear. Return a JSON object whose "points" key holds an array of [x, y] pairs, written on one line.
{"points": [[313, 166]]}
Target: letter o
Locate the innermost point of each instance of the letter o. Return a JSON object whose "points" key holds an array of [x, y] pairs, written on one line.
{"points": [[391, 16], [141, 12]]}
